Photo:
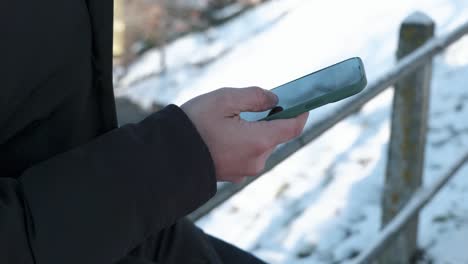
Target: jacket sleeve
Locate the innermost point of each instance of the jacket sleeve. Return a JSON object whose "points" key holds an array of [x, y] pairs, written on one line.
{"points": [[95, 203]]}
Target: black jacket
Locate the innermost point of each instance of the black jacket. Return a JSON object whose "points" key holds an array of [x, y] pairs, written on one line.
{"points": [[74, 188]]}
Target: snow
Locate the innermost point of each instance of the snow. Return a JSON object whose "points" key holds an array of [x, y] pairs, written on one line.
{"points": [[322, 205], [418, 18], [187, 57]]}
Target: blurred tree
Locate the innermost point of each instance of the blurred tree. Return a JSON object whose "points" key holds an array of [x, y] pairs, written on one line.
{"points": [[143, 24], [119, 29]]}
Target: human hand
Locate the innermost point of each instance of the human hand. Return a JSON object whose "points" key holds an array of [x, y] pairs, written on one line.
{"points": [[240, 148]]}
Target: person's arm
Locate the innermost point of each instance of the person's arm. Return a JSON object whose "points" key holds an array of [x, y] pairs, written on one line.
{"points": [[97, 202]]}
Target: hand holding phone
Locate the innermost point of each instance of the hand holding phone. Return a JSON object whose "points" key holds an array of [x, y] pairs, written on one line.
{"points": [[316, 89], [239, 149]]}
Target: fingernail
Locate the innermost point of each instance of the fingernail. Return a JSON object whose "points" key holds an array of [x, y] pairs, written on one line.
{"points": [[271, 95]]}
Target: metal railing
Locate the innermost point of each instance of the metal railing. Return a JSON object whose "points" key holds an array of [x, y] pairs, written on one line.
{"points": [[411, 75], [420, 199]]}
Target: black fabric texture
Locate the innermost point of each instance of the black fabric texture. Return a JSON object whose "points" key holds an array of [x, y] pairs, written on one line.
{"points": [[75, 188]]}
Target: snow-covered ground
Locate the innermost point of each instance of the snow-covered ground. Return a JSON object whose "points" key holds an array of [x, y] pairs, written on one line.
{"points": [[322, 205]]}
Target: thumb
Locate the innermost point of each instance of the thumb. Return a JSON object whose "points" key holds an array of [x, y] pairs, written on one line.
{"points": [[252, 99]]}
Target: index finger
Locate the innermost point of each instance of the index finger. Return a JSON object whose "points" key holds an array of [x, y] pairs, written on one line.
{"points": [[282, 130]]}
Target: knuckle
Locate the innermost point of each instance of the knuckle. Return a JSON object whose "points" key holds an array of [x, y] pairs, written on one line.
{"points": [[293, 130], [260, 146], [225, 95], [259, 95], [224, 91], [256, 168], [297, 130], [257, 90]]}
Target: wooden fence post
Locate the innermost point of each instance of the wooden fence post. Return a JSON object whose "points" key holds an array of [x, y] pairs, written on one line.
{"points": [[408, 138]]}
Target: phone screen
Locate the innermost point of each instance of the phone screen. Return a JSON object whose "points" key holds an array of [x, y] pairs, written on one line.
{"points": [[313, 85]]}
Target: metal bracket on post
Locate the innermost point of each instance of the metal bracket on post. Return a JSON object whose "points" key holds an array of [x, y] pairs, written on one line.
{"points": [[408, 138]]}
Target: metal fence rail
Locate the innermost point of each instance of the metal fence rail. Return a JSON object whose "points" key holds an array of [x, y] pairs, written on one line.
{"points": [[405, 66], [420, 199]]}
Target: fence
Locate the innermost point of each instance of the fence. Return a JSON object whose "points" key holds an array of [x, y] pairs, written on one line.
{"points": [[403, 197]]}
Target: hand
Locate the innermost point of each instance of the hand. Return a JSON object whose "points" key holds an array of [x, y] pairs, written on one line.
{"points": [[240, 148]]}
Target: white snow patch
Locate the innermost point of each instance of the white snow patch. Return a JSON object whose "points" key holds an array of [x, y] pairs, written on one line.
{"points": [[419, 18], [322, 205]]}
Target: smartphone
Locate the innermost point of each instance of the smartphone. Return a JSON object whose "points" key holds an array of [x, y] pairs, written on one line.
{"points": [[316, 89]]}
